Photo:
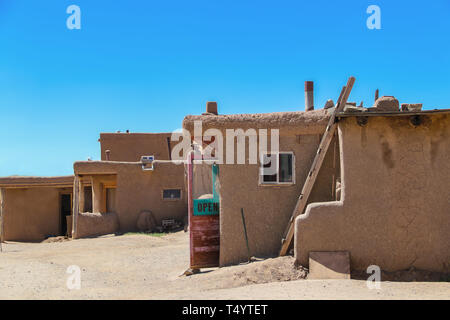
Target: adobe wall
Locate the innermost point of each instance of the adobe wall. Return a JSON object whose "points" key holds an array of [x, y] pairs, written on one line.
{"points": [[130, 147], [395, 205], [31, 214], [267, 209], [139, 190]]}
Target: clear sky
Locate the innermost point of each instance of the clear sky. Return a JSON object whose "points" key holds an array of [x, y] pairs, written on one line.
{"points": [[143, 65]]}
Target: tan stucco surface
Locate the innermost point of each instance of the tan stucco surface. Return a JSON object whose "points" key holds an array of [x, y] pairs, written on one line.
{"points": [[27, 181], [138, 190], [395, 205], [267, 209], [32, 214], [96, 224], [131, 146], [295, 122]]}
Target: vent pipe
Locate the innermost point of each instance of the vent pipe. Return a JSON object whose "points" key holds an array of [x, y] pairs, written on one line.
{"points": [[309, 95]]}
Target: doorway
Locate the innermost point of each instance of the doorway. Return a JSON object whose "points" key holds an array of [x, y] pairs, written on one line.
{"points": [[204, 210], [66, 210]]}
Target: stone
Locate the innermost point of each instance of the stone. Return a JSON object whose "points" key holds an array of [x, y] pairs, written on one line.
{"points": [[387, 103], [329, 104], [412, 107], [329, 265], [146, 222], [351, 108]]}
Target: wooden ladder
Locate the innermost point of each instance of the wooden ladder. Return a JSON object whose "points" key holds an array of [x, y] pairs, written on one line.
{"points": [[286, 242]]}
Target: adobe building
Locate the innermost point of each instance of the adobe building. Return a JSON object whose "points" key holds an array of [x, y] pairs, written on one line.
{"points": [[267, 201], [109, 195], [129, 147], [127, 194], [382, 193], [35, 208], [394, 208]]}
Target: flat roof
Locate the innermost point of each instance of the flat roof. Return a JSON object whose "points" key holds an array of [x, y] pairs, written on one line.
{"points": [[313, 121], [29, 181], [369, 113]]}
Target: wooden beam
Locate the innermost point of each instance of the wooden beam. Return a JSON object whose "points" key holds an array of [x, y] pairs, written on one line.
{"points": [[287, 240], [76, 205]]}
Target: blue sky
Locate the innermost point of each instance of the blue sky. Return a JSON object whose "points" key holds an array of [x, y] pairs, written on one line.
{"points": [[143, 65]]}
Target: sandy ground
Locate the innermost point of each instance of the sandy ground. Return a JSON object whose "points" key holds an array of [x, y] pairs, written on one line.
{"points": [[146, 267]]}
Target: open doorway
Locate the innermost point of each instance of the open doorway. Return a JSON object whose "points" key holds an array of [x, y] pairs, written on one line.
{"points": [[66, 210]]}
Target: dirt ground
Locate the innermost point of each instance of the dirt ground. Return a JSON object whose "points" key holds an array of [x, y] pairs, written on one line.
{"points": [[147, 267]]}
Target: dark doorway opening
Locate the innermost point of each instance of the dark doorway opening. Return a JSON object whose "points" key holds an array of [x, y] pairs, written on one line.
{"points": [[87, 199], [66, 210]]}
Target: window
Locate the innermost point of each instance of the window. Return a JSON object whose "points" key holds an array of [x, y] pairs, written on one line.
{"points": [[277, 168], [172, 194]]}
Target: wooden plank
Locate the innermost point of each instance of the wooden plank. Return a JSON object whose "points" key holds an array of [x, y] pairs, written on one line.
{"points": [[76, 203], [315, 167]]}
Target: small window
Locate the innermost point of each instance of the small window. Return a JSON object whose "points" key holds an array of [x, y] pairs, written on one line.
{"points": [[172, 194], [278, 168]]}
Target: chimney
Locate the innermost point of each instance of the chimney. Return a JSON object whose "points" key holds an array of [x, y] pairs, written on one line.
{"points": [[309, 95], [107, 153], [211, 107]]}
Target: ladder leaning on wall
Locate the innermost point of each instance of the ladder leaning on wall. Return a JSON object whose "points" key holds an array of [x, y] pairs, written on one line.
{"points": [[288, 236]]}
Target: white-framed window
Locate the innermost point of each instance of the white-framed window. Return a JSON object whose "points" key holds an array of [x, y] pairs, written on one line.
{"points": [[277, 168], [171, 194]]}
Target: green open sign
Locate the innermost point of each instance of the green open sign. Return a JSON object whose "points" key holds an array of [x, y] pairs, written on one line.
{"points": [[206, 207]]}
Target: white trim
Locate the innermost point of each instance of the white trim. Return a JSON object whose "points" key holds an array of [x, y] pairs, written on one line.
{"points": [[277, 183]]}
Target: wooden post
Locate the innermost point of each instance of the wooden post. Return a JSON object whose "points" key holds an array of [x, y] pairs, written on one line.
{"points": [[302, 200], [76, 203], [190, 179]]}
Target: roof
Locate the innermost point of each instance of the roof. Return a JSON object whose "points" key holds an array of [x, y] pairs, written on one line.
{"points": [[110, 167], [313, 122], [115, 135], [392, 113], [27, 181]]}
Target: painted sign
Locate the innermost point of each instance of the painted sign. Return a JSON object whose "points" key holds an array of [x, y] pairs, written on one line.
{"points": [[206, 207]]}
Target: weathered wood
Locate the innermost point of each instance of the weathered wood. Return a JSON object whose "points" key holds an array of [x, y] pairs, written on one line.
{"points": [[76, 203], [286, 242]]}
